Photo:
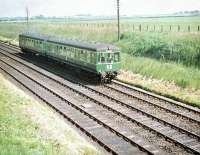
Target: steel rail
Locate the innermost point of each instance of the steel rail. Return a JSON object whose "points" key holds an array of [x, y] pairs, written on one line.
{"points": [[140, 123], [143, 148]]}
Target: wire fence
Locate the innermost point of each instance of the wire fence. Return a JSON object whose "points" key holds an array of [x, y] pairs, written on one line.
{"points": [[140, 27]]}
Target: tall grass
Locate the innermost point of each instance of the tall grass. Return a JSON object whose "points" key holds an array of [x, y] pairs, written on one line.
{"points": [[183, 76], [179, 48]]}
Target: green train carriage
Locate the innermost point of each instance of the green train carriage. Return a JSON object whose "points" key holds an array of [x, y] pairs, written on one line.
{"points": [[100, 59]]}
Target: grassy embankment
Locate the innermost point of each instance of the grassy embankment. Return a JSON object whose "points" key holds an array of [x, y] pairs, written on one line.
{"points": [[27, 127], [173, 57]]}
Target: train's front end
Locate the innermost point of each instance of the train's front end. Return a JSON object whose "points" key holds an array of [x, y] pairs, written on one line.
{"points": [[108, 63]]}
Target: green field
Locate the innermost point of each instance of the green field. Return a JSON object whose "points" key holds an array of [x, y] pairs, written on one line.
{"points": [[168, 55]]}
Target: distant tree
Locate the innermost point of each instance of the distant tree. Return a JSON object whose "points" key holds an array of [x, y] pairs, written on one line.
{"points": [[40, 17]]}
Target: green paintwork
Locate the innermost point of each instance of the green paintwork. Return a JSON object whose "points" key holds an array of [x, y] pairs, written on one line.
{"points": [[93, 61]]}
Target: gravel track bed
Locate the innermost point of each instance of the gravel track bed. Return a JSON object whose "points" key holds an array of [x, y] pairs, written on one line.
{"points": [[156, 101], [181, 122], [117, 119], [121, 147], [91, 107]]}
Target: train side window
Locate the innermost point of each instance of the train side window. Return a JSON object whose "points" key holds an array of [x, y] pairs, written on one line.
{"points": [[99, 58], [72, 53], [85, 54], [88, 56], [91, 57], [69, 53], [76, 53], [109, 58], [95, 58], [116, 57], [102, 58], [82, 55]]}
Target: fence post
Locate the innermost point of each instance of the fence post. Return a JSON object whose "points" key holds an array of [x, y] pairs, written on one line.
{"points": [[198, 28], [154, 28], [161, 28], [140, 27], [147, 28], [133, 27], [178, 28], [188, 28], [170, 28]]}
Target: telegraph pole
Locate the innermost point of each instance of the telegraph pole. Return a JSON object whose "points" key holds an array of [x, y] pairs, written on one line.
{"points": [[27, 15], [118, 22]]}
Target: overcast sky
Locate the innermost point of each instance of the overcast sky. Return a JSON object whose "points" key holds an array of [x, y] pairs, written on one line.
{"points": [[9, 8]]}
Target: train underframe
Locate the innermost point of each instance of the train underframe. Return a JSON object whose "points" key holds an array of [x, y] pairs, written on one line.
{"points": [[107, 77]]}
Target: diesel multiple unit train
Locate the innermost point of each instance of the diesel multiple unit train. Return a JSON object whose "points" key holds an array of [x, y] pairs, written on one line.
{"points": [[102, 60]]}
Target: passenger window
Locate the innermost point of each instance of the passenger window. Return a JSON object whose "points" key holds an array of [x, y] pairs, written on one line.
{"points": [[102, 59], [116, 57], [109, 58]]}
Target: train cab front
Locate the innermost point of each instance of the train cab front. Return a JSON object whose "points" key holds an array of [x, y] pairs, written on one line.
{"points": [[108, 64]]}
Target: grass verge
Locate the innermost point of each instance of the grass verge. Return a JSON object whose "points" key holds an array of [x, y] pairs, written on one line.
{"points": [[162, 87], [27, 127], [185, 77]]}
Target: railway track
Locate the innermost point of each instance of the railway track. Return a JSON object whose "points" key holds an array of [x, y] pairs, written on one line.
{"points": [[169, 117], [183, 137], [108, 137], [12, 45], [161, 102]]}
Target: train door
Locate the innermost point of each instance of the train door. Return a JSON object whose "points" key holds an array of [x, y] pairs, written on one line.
{"points": [[102, 57]]}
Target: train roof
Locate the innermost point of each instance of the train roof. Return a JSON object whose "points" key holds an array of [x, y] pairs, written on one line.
{"points": [[74, 43]]}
